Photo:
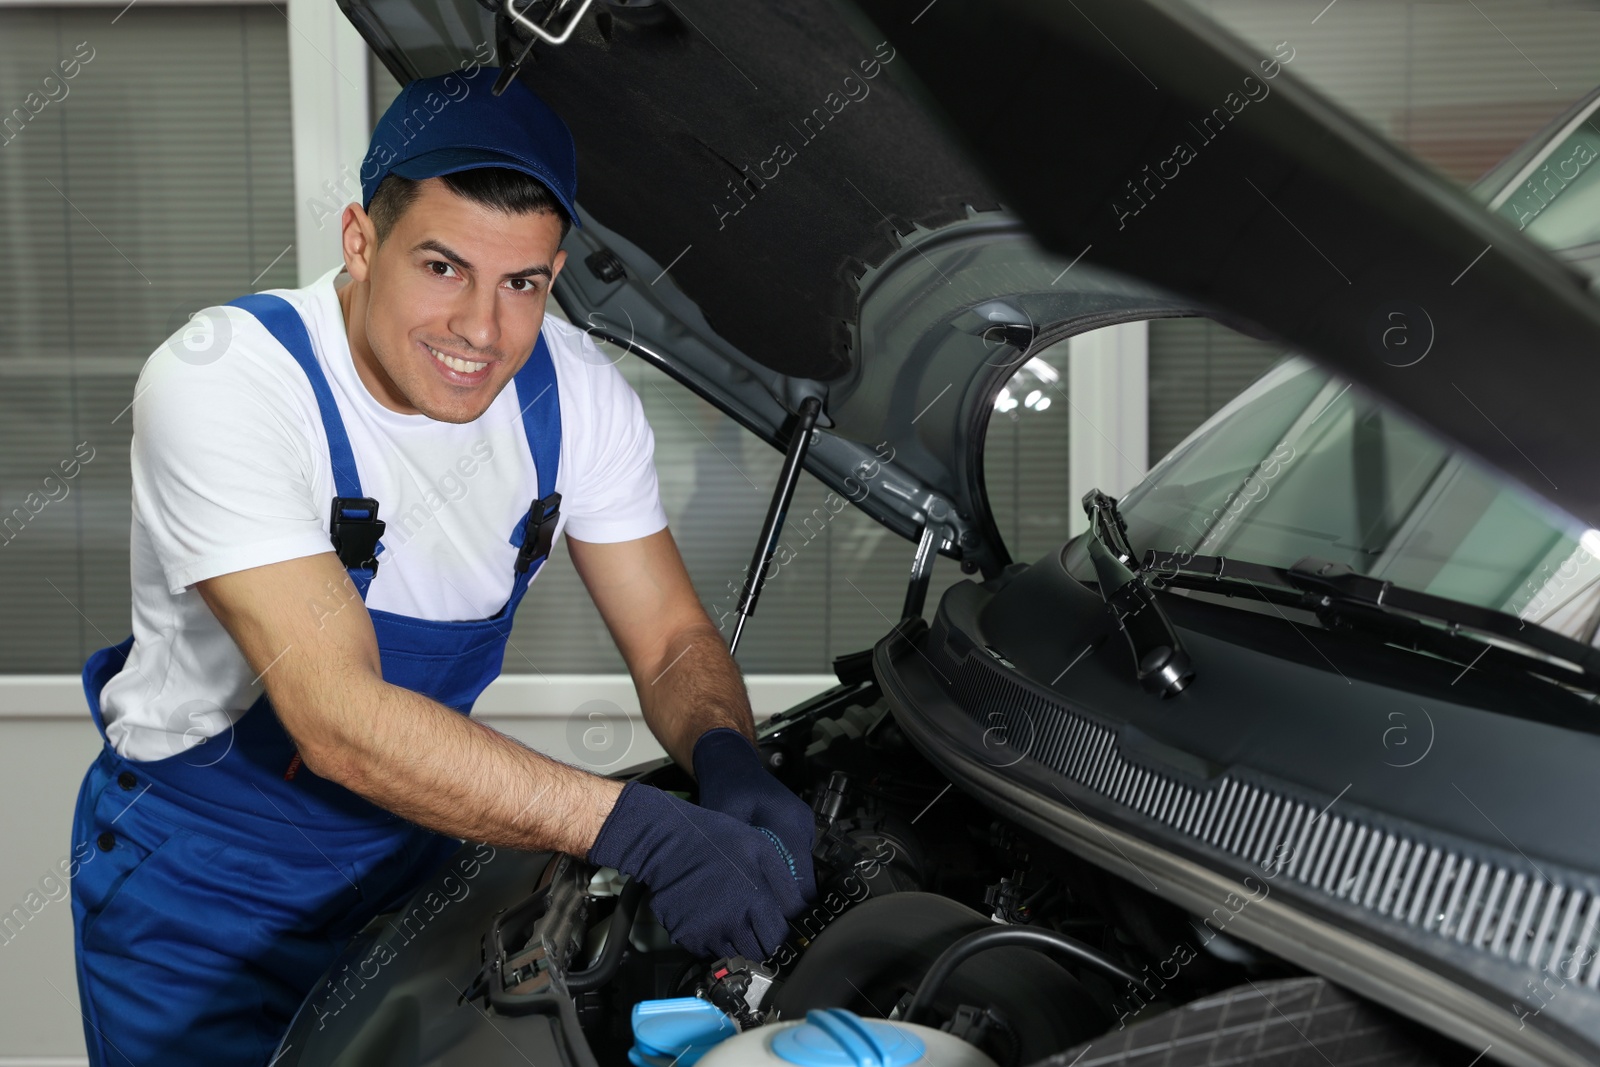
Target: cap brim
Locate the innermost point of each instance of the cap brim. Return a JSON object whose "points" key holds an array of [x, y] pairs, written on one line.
{"points": [[442, 161]]}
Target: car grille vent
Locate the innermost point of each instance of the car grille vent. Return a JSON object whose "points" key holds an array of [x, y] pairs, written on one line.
{"points": [[1522, 916]]}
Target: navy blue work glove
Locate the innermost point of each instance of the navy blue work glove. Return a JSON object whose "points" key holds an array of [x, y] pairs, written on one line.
{"points": [[720, 887], [734, 782]]}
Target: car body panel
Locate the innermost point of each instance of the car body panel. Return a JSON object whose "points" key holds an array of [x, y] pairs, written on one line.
{"points": [[1313, 933], [1293, 216], [394, 994]]}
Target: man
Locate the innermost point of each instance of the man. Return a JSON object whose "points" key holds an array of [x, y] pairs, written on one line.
{"points": [[287, 750]]}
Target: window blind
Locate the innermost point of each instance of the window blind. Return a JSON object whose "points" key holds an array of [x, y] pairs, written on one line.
{"points": [[1456, 84], [152, 182], [1195, 367]]}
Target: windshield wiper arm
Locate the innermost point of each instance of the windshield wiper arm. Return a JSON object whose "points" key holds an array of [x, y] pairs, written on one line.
{"points": [[1159, 659], [1342, 598]]}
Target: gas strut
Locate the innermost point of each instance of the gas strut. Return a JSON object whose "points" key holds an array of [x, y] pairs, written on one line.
{"points": [[755, 578]]}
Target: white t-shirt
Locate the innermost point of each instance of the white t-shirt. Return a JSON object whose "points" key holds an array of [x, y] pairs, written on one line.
{"points": [[231, 470]]}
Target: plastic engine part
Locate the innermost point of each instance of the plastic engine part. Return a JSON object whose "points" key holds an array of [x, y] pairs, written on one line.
{"points": [[677, 1031], [834, 1037]]}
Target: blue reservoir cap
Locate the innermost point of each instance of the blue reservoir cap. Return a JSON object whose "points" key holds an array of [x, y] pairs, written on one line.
{"points": [[678, 1030], [833, 1037]]}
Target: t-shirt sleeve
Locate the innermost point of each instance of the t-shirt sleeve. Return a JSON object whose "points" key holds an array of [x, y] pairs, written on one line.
{"points": [[615, 496], [222, 459]]}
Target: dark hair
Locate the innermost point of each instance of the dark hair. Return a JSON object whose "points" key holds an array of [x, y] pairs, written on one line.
{"points": [[501, 188]]}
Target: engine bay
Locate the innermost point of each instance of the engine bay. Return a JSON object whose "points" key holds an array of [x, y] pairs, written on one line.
{"points": [[939, 928], [934, 910]]}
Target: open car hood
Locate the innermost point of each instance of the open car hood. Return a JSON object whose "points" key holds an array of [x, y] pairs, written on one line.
{"points": [[888, 206]]}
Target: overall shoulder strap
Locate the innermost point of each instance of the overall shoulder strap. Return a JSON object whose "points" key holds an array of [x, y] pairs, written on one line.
{"points": [[353, 514], [539, 399]]}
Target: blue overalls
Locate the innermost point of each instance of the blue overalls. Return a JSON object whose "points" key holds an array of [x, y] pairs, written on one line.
{"points": [[223, 885]]}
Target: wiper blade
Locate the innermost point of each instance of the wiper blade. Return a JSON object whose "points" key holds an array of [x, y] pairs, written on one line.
{"points": [[1160, 662], [1344, 599]]}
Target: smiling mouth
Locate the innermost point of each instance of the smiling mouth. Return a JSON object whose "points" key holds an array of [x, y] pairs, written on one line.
{"points": [[456, 363]]}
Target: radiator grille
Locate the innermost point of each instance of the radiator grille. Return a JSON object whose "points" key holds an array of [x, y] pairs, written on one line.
{"points": [[1524, 917]]}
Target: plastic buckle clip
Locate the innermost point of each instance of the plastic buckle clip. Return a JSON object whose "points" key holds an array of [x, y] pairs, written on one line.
{"points": [[355, 528], [539, 532]]}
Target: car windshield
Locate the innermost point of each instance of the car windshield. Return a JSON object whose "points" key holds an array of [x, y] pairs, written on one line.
{"points": [[1301, 464]]}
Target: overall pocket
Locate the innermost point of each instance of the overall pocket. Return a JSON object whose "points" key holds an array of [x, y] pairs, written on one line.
{"points": [[116, 881], [124, 842]]}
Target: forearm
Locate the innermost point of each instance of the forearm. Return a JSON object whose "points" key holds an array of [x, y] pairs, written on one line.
{"points": [[439, 769], [696, 687]]}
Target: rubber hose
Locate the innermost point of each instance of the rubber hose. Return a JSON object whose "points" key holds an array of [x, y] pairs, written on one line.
{"points": [[616, 940], [1025, 936]]}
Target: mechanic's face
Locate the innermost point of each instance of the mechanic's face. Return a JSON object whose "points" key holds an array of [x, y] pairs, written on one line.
{"points": [[447, 309]]}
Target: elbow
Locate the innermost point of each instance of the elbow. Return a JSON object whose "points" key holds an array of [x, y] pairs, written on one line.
{"points": [[321, 750], [334, 762], [326, 729]]}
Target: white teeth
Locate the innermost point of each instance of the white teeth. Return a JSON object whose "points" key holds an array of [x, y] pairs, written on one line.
{"points": [[465, 366]]}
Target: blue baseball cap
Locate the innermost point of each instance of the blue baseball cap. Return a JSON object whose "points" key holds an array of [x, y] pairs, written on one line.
{"points": [[452, 122]]}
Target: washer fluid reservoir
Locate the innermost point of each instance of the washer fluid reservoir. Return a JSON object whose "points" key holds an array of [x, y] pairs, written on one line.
{"points": [[833, 1037]]}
